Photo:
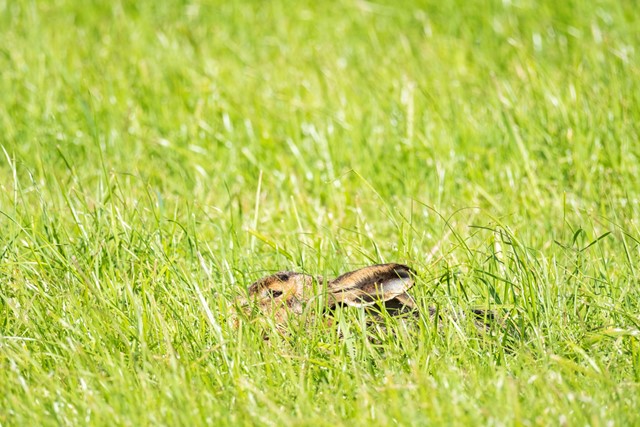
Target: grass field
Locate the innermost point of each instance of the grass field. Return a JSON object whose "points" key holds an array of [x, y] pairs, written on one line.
{"points": [[157, 157]]}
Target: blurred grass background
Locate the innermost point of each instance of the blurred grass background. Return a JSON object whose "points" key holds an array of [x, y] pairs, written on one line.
{"points": [[159, 156]]}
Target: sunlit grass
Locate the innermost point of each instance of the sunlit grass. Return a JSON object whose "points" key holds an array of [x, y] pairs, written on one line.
{"points": [[157, 157]]}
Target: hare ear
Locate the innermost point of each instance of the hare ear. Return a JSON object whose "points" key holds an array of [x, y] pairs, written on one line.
{"points": [[369, 285]]}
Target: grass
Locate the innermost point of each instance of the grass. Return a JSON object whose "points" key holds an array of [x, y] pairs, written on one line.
{"points": [[157, 157]]}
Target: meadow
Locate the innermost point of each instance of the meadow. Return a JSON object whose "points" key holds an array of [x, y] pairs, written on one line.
{"points": [[159, 156]]}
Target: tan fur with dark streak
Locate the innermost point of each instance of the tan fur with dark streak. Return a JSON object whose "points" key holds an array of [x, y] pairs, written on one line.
{"points": [[384, 282], [282, 293], [286, 292]]}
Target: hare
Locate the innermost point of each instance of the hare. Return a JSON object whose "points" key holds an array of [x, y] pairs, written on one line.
{"points": [[285, 293]]}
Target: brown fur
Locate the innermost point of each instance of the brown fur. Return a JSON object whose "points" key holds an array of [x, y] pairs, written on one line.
{"points": [[286, 292]]}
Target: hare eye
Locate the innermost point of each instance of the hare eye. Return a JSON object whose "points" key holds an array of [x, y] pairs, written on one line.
{"points": [[273, 293]]}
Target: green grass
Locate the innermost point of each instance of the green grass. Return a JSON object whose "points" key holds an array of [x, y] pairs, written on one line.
{"points": [[157, 157]]}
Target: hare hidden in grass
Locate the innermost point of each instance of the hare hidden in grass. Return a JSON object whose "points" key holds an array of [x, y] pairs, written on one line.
{"points": [[286, 292]]}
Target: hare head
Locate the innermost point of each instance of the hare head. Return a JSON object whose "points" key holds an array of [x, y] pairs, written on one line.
{"points": [[281, 293], [286, 292]]}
